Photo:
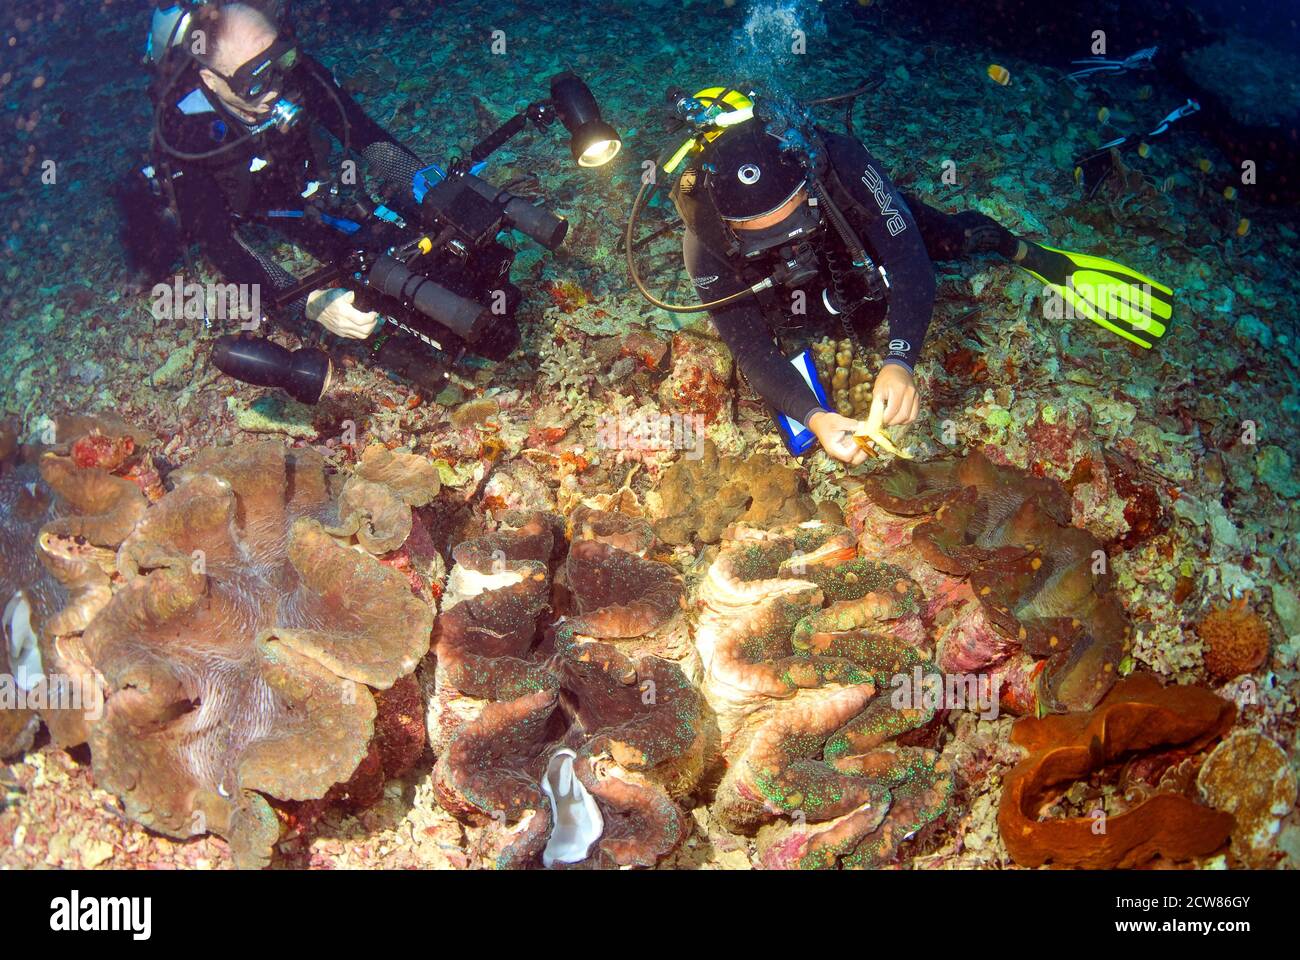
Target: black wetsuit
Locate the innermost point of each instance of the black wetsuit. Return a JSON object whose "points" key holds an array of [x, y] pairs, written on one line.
{"points": [[900, 233], [266, 177]]}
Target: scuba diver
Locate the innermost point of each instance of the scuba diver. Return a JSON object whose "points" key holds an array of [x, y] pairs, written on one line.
{"points": [[241, 121], [774, 203], [229, 150]]}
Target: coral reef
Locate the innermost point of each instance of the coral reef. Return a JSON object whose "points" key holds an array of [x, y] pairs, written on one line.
{"points": [[28, 593], [1011, 582], [1138, 716], [94, 513], [237, 657], [846, 376], [799, 638], [1235, 639], [397, 744], [1250, 777], [621, 596], [699, 383], [497, 589], [698, 498], [375, 503], [1180, 461], [513, 694]]}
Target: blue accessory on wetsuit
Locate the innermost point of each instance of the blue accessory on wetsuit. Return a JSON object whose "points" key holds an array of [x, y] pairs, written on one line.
{"points": [[798, 438]]}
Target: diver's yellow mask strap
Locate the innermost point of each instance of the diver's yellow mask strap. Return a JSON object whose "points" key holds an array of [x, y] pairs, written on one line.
{"points": [[683, 151]]}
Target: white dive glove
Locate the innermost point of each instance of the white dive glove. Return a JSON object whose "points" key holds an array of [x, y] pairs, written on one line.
{"points": [[334, 311]]}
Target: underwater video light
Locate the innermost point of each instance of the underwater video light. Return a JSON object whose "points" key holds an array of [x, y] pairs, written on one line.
{"points": [[593, 141]]}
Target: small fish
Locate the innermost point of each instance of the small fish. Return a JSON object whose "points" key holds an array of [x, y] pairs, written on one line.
{"points": [[1144, 150], [1204, 165], [1144, 92], [1229, 193], [1168, 183], [1243, 227], [1103, 114], [999, 74]]}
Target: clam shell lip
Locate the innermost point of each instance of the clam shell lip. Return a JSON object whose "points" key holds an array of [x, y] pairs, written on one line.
{"points": [[22, 649], [576, 821]]}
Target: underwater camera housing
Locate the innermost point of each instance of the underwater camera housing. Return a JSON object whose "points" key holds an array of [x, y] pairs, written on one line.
{"points": [[448, 285], [446, 280], [454, 280]]}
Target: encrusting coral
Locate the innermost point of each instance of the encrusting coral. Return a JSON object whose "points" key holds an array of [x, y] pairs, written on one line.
{"points": [[1235, 638], [514, 694], [848, 377], [1137, 717], [699, 382], [799, 638], [1250, 777], [237, 659], [1014, 590]]}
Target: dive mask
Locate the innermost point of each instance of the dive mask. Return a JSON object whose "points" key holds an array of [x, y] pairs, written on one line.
{"points": [[802, 223], [264, 72]]}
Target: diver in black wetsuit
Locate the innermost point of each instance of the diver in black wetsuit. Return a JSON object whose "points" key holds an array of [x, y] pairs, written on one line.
{"points": [[241, 139], [746, 201]]}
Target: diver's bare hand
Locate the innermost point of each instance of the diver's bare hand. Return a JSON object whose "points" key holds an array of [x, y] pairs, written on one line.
{"points": [[836, 436], [894, 392], [334, 311]]}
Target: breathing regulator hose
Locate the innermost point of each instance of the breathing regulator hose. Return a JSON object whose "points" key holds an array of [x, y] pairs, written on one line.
{"points": [[856, 250], [629, 247]]}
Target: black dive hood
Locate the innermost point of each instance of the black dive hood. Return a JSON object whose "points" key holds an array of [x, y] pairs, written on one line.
{"points": [[748, 173]]}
